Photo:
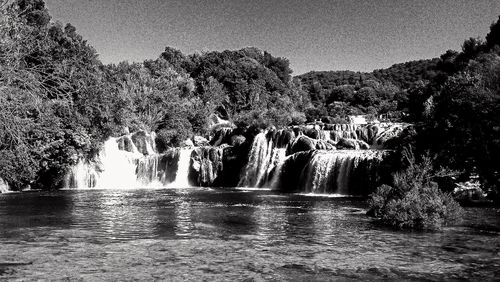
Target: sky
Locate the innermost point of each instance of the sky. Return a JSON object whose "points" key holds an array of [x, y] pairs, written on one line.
{"points": [[358, 35]]}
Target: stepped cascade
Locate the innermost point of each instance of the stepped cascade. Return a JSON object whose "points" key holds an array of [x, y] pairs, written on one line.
{"points": [[344, 159]]}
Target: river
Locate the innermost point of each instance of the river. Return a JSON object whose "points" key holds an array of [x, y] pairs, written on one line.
{"points": [[204, 234]]}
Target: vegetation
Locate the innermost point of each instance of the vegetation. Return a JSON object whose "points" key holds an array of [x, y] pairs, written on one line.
{"points": [[414, 200], [381, 92], [59, 102]]}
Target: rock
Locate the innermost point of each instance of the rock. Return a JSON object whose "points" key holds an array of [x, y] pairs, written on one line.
{"points": [[200, 141], [144, 142], [125, 143], [206, 165], [167, 165], [363, 145], [237, 140], [301, 143], [124, 130], [469, 191], [347, 143], [283, 138], [324, 145], [187, 143], [312, 132], [221, 136]]}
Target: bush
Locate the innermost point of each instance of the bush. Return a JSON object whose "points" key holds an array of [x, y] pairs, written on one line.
{"points": [[414, 200], [172, 136]]}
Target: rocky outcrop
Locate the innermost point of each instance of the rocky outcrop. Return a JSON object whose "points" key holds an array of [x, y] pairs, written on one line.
{"points": [[206, 165], [352, 144], [144, 142], [237, 140], [301, 143], [221, 136], [167, 166], [200, 141]]}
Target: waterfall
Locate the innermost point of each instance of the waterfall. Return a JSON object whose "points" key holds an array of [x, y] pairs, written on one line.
{"points": [[119, 164], [182, 177], [118, 167], [322, 165], [4, 187], [114, 168], [344, 172], [265, 156], [340, 171]]}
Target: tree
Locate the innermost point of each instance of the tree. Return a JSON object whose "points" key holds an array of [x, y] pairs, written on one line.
{"points": [[493, 37]]}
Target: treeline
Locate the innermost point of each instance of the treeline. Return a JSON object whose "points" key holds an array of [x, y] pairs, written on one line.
{"points": [[454, 100], [59, 102], [458, 112], [383, 92]]}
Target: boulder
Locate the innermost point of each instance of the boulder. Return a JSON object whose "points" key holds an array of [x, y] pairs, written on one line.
{"points": [[200, 141], [125, 143], [221, 135], [324, 145], [187, 143], [348, 143], [167, 165], [312, 132], [237, 140], [363, 145], [144, 142], [301, 143], [206, 165]]}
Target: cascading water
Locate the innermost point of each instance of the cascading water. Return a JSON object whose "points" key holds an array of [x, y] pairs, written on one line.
{"points": [[114, 168], [344, 172], [4, 187], [335, 172], [265, 156], [182, 177], [132, 161]]}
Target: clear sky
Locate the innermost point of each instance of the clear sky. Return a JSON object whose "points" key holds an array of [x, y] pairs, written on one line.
{"points": [[313, 34]]}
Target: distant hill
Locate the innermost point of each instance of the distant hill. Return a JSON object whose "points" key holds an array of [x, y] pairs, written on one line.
{"points": [[402, 75]]}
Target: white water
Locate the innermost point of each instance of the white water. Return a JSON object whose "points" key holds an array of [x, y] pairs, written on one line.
{"points": [[119, 167], [112, 169], [263, 158], [331, 172], [4, 187], [182, 177]]}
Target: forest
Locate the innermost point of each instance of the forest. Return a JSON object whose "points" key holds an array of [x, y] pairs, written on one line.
{"points": [[59, 102]]}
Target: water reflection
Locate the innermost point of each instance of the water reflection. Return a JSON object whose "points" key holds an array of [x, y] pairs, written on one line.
{"points": [[217, 233], [184, 225]]}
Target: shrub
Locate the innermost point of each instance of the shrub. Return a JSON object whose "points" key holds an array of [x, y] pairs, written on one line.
{"points": [[414, 200]]}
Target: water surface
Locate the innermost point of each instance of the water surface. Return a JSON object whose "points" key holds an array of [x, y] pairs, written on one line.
{"points": [[229, 234]]}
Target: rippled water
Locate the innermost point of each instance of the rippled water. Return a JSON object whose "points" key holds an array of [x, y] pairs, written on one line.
{"points": [[229, 234]]}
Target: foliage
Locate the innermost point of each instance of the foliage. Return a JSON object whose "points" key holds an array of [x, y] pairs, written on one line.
{"points": [[414, 200], [55, 102]]}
